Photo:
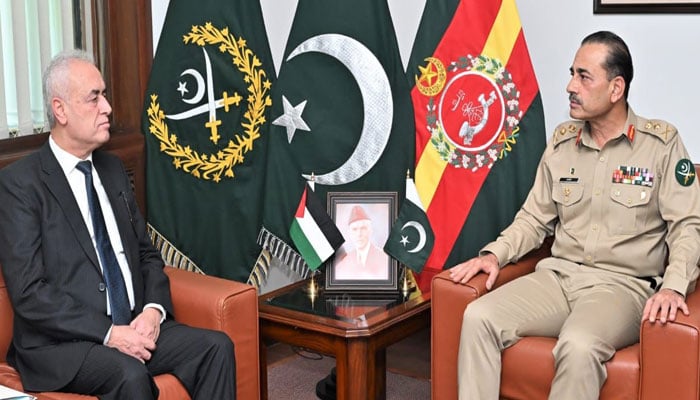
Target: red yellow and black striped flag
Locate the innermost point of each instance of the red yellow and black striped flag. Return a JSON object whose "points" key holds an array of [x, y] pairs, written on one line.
{"points": [[479, 124]]}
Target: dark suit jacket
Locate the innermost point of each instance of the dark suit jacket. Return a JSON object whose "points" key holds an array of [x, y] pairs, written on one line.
{"points": [[51, 268]]}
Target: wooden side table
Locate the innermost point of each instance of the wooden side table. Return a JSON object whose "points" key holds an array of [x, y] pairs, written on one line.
{"points": [[355, 329]]}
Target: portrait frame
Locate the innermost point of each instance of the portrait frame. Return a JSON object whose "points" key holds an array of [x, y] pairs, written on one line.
{"points": [[382, 273], [646, 6]]}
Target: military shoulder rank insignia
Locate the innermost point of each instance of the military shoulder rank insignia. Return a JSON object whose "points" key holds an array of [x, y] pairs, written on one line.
{"points": [[567, 130], [659, 128], [685, 172]]}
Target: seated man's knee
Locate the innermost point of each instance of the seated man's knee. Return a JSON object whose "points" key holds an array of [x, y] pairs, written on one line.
{"points": [[134, 377], [583, 346], [138, 376], [476, 315], [222, 342], [221, 349]]}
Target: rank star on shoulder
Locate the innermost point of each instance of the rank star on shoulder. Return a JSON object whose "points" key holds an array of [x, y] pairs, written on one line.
{"points": [[291, 119]]}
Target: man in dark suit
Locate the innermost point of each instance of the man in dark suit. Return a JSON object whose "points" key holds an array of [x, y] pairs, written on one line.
{"points": [[93, 312]]}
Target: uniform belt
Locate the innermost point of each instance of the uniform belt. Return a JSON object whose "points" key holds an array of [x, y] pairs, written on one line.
{"points": [[651, 280]]}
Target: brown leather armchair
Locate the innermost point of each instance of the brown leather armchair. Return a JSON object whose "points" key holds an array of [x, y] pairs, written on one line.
{"points": [[198, 300], [665, 364]]}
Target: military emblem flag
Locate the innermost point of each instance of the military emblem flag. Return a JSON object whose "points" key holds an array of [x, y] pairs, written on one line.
{"points": [[411, 238], [479, 124], [205, 128], [342, 111]]}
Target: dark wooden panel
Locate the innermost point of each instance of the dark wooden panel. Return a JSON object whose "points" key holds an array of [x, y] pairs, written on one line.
{"points": [[125, 54]]}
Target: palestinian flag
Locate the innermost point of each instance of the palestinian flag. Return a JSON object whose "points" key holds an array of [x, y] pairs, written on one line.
{"points": [[479, 124], [313, 231]]}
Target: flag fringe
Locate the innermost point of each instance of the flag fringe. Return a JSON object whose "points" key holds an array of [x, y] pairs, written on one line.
{"points": [[280, 249], [258, 275], [171, 255]]}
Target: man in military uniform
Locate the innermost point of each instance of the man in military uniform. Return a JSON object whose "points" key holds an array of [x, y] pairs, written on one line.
{"points": [[618, 192]]}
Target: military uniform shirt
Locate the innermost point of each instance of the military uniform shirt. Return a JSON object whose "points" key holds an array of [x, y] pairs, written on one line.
{"points": [[632, 207]]}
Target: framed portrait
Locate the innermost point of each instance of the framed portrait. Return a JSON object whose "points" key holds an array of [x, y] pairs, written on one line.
{"points": [[365, 220], [645, 6]]}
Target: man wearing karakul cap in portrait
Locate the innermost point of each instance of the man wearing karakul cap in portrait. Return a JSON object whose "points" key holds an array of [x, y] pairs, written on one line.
{"points": [[366, 260]]}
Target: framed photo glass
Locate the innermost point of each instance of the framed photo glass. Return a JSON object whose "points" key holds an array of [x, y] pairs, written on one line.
{"points": [[365, 220]]}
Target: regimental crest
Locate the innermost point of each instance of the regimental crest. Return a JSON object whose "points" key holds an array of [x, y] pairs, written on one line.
{"points": [[473, 110], [232, 143]]}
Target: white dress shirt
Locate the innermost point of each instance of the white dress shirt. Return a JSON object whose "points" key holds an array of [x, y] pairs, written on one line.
{"points": [[76, 180]]}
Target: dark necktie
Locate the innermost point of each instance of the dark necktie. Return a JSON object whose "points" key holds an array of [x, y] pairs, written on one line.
{"points": [[118, 298]]}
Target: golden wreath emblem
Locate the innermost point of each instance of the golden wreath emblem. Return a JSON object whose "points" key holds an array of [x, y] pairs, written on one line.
{"points": [[212, 166], [473, 111]]}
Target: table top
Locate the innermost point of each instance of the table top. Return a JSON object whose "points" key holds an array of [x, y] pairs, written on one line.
{"points": [[347, 312]]}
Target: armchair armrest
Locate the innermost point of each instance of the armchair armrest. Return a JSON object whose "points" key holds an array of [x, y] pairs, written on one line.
{"points": [[670, 356], [232, 307], [448, 302]]}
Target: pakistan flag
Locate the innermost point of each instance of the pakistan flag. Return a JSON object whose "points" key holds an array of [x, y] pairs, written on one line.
{"points": [[342, 112], [205, 125]]}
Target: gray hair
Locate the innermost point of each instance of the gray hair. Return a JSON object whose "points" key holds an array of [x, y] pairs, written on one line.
{"points": [[55, 78]]}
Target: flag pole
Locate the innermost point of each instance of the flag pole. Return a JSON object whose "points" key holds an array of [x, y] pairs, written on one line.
{"points": [[407, 285]]}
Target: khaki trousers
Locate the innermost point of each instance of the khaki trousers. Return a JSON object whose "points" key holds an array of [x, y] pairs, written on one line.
{"points": [[593, 312]]}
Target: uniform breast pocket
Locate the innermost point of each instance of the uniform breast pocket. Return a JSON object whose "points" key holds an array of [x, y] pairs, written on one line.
{"points": [[628, 209], [568, 197]]}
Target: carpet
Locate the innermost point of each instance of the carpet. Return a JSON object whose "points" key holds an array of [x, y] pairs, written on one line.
{"points": [[292, 373]]}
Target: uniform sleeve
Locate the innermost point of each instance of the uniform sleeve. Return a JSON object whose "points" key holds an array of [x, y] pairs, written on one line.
{"points": [[533, 223], [679, 205]]}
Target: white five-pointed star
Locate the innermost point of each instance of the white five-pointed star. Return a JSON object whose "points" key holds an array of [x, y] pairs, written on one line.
{"points": [[291, 119], [182, 88], [404, 240]]}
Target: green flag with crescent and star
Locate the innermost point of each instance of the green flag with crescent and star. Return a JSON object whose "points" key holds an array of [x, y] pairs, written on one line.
{"points": [[205, 125], [342, 112], [411, 238]]}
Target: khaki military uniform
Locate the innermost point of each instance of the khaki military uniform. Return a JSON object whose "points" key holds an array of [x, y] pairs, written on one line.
{"points": [[617, 214]]}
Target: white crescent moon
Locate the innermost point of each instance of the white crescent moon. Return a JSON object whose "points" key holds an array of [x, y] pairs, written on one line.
{"points": [[200, 86], [421, 235], [376, 96]]}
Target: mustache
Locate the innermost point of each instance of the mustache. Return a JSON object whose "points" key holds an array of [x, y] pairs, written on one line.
{"points": [[574, 98]]}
